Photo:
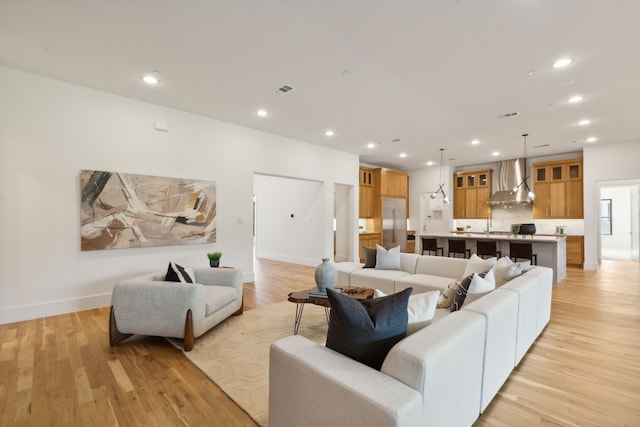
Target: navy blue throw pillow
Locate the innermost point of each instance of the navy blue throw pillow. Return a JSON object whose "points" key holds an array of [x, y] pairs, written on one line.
{"points": [[366, 330]]}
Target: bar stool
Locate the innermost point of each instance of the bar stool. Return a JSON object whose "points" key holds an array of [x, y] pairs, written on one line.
{"points": [[431, 245], [457, 246], [487, 248], [523, 251]]}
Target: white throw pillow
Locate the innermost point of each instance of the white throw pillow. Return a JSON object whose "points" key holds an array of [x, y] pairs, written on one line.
{"points": [[505, 270], [387, 259], [420, 309], [479, 286], [478, 265]]}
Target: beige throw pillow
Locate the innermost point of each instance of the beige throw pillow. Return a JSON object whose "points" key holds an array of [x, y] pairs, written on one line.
{"points": [[505, 270], [445, 300]]}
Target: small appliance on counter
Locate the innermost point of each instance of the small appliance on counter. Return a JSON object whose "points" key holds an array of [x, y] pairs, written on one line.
{"points": [[561, 230], [523, 229]]}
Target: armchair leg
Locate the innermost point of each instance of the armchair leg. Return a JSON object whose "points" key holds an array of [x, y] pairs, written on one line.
{"points": [[189, 338], [241, 309], [115, 336]]}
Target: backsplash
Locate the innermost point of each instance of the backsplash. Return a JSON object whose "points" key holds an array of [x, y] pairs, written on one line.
{"points": [[503, 217]]}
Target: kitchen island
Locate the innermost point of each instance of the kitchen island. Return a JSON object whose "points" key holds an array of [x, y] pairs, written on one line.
{"points": [[551, 249]]}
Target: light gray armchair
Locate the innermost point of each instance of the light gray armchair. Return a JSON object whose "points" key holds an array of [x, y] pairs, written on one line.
{"points": [[149, 305]]}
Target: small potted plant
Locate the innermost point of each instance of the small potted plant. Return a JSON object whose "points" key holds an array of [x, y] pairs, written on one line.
{"points": [[214, 258], [468, 228]]}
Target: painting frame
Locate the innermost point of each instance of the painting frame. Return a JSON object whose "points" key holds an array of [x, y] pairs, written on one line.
{"points": [[126, 210]]}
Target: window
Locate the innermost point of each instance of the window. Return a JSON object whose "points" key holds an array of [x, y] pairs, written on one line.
{"points": [[605, 217]]}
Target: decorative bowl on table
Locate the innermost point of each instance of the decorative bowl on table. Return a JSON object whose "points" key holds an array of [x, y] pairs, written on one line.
{"points": [[460, 230]]}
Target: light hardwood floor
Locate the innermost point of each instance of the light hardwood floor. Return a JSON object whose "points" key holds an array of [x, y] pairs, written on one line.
{"points": [[584, 369]]}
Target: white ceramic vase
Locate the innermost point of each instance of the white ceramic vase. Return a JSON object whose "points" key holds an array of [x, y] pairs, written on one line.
{"points": [[326, 275]]}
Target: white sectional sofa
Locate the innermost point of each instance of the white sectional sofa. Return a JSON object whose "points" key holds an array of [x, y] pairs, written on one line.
{"points": [[423, 273], [445, 374]]}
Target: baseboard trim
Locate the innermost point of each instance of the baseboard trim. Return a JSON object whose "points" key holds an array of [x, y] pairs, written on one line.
{"points": [[53, 308]]}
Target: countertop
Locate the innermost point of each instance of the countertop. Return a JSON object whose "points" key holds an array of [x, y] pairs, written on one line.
{"points": [[505, 236]]}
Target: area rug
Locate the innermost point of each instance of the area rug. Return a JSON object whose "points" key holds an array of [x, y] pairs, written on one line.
{"points": [[235, 354]]}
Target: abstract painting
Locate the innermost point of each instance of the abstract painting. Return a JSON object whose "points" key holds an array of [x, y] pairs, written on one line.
{"points": [[122, 210]]}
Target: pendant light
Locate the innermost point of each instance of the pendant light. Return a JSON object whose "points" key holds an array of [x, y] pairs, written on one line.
{"points": [[440, 189], [524, 184]]}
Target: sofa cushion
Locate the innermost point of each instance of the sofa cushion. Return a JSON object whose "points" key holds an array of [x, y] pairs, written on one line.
{"points": [[377, 279], [178, 273], [440, 266], [387, 259], [217, 297], [478, 265], [366, 331], [423, 283], [344, 271], [370, 257]]}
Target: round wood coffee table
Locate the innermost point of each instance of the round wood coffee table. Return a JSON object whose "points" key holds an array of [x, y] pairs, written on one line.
{"points": [[302, 297]]}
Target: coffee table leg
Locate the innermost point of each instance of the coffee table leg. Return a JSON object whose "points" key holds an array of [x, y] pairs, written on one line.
{"points": [[296, 323]]}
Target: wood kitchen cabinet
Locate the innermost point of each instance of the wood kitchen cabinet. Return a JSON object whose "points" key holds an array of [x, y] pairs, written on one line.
{"points": [[375, 185], [366, 192], [558, 189], [369, 240], [575, 250], [471, 191], [393, 183]]}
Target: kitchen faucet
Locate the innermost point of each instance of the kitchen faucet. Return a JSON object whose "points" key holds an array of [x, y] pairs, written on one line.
{"points": [[489, 222]]}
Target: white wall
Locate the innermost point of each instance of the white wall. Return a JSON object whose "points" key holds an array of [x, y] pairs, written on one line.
{"points": [[345, 225], [604, 165], [423, 182], [50, 130], [289, 220]]}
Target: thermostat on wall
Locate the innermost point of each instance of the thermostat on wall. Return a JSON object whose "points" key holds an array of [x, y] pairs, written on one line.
{"points": [[162, 126]]}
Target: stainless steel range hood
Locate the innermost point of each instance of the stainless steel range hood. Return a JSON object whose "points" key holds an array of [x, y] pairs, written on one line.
{"points": [[509, 175]]}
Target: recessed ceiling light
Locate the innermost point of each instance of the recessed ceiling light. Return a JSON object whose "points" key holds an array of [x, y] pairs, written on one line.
{"points": [[262, 113], [150, 79], [584, 122], [371, 145], [329, 133], [592, 139], [475, 142], [429, 163], [495, 153], [562, 62], [403, 155], [575, 98]]}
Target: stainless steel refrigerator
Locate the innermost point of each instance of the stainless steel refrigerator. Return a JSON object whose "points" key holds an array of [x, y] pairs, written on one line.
{"points": [[394, 223]]}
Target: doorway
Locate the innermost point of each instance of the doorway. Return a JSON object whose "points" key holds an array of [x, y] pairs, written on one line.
{"points": [[619, 221]]}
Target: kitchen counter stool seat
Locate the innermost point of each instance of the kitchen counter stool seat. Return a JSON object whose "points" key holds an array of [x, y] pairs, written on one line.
{"points": [[431, 245], [458, 246], [519, 250], [487, 248]]}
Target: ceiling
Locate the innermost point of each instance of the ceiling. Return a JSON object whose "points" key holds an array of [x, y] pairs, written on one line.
{"points": [[410, 76]]}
